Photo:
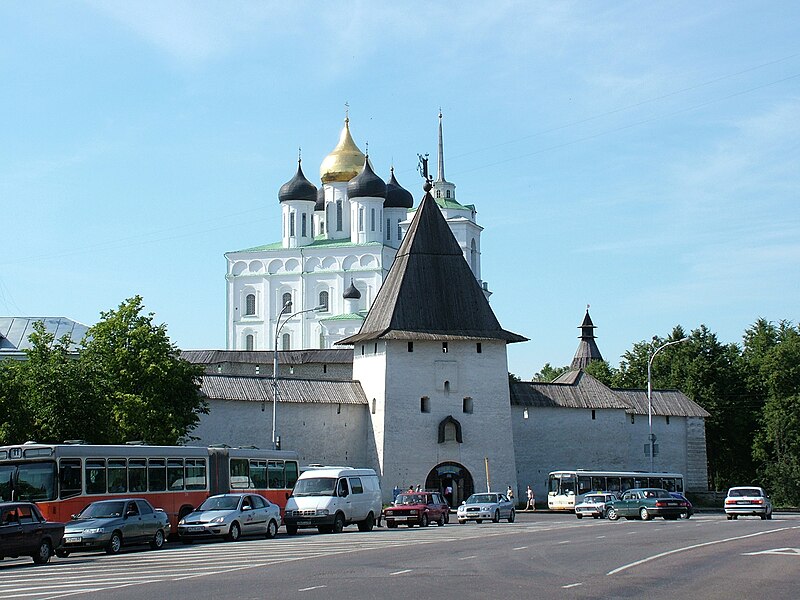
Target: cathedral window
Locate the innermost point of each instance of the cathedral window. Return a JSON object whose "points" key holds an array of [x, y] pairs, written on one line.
{"points": [[388, 229], [448, 193], [291, 224], [323, 300], [374, 405], [473, 257], [338, 215], [303, 225], [467, 405], [250, 305], [361, 219], [438, 193], [372, 220], [399, 231], [425, 404], [286, 299], [287, 341], [249, 342]]}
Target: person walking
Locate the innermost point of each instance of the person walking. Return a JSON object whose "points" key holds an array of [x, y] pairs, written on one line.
{"points": [[510, 494], [531, 499]]}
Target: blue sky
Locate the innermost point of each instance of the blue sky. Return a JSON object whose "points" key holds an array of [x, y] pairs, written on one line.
{"points": [[641, 157]]}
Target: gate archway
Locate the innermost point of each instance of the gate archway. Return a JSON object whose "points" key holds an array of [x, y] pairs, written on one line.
{"points": [[454, 475]]}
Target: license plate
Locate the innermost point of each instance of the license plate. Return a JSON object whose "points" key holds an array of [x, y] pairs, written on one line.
{"points": [[742, 502], [304, 522], [399, 518], [72, 540], [194, 529]]}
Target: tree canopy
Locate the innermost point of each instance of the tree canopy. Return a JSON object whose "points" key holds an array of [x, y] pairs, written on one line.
{"points": [[126, 382]]}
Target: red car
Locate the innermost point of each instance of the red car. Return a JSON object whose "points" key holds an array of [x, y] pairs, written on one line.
{"points": [[418, 508]]}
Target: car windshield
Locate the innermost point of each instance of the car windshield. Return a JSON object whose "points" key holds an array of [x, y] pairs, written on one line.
{"points": [[314, 486], [594, 499], [482, 498], [410, 499], [744, 492], [102, 510], [220, 503]]}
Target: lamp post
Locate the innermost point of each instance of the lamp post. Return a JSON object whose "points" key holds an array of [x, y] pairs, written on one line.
{"points": [[278, 326], [650, 436]]}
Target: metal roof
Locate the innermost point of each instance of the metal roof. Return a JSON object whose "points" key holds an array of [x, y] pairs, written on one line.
{"points": [[259, 389], [264, 357], [15, 332]]}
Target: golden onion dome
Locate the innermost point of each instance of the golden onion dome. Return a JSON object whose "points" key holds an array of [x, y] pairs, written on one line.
{"points": [[345, 160]]}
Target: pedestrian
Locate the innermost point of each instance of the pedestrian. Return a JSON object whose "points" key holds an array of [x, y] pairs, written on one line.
{"points": [[448, 494], [411, 489], [510, 494], [531, 499], [395, 493], [419, 488]]}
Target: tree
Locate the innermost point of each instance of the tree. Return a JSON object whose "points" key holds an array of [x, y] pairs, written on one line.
{"points": [[151, 392], [549, 373]]}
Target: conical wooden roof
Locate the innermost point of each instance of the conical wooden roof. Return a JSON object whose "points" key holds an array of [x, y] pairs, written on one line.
{"points": [[430, 291]]}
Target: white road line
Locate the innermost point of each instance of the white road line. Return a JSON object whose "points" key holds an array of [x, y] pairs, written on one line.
{"points": [[571, 585], [600, 537], [313, 587], [564, 542], [467, 557], [520, 548], [693, 547], [401, 572]]}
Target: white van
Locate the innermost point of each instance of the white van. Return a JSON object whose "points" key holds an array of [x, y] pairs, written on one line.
{"points": [[329, 498]]}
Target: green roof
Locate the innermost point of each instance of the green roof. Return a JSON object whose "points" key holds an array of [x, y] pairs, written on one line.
{"points": [[346, 317]]}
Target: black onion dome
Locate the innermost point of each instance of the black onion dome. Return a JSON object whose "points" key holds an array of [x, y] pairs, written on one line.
{"points": [[352, 292], [396, 195], [320, 205], [366, 184], [298, 188]]}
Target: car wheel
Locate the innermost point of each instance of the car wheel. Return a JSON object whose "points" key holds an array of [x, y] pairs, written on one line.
{"points": [[479, 520], [684, 515], [423, 521], [462, 521], [763, 516], [579, 515], [447, 517], [62, 553], [272, 529], [291, 530], [612, 514], [496, 517], [158, 540], [730, 517], [43, 553], [735, 517], [512, 515], [367, 524], [235, 532], [114, 544], [440, 521], [769, 515], [643, 514], [338, 523]]}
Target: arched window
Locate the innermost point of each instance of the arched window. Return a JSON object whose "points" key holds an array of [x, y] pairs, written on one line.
{"points": [[303, 225], [438, 193], [323, 299], [448, 193], [388, 229], [250, 305], [372, 220], [399, 231], [286, 339], [473, 256], [249, 342], [361, 219], [286, 299], [291, 224], [338, 215]]}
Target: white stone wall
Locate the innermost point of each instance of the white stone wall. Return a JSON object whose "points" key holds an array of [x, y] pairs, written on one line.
{"points": [[322, 433]]}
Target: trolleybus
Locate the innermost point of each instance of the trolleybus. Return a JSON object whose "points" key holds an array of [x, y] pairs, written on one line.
{"points": [[63, 478], [565, 489]]}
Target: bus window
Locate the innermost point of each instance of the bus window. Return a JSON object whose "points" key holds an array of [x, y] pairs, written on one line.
{"points": [[291, 473], [553, 484], [627, 483], [240, 474], [175, 473], [137, 475], [6, 477], [70, 477], [95, 476], [568, 485], [258, 473], [599, 483], [679, 485], [117, 476], [640, 482], [277, 480], [36, 481], [584, 484], [157, 474], [195, 474]]}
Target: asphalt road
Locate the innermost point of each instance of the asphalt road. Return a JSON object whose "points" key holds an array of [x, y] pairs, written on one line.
{"points": [[539, 556]]}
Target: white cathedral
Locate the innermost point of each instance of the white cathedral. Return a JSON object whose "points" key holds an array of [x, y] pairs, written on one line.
{"points": [[392, 358]]}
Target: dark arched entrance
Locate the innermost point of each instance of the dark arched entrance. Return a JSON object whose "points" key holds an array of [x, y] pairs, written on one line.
{"points": [[453, 475]]}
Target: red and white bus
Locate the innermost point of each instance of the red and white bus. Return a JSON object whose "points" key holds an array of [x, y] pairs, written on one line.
{"points": [[63, 478]]}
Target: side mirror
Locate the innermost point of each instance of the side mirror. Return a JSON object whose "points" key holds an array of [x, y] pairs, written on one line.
{"points": [[74, 517], [245, 508], [463, 502]]}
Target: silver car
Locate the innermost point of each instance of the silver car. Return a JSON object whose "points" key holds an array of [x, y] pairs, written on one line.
{"points": [[491, 505], [747, 500], [111, 524], [231, 516]]}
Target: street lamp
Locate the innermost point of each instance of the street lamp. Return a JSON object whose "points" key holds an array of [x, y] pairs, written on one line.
{"points": [[278, 326], [650, 436]]}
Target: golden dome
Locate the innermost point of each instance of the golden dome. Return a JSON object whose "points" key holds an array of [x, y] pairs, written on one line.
{"points": [[345, 161]]}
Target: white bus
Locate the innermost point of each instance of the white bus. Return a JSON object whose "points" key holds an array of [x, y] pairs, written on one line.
{"points": [[565, 488]]}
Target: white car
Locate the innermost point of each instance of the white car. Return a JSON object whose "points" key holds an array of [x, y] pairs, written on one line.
{"points": [[231, 516], [491, 505], [748, 500], [594, 505]]}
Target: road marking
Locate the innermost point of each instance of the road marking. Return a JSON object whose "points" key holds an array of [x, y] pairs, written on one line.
{"points": [[571, 585], [632, 533], [783, 551], [313, 587], [520, 548], [600, 537], [467, 557], [564, 542], [401, 572], [693, 547]]}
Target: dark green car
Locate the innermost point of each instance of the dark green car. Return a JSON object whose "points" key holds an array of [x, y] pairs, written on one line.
{"points": [[646, 503]]}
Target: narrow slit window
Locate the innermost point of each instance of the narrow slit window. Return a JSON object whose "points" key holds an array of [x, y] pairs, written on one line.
{"points": [[425, 404]]}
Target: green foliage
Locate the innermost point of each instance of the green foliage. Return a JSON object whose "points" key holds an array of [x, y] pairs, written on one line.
{"points": [[549, 373], [602, 371], [126, 382]]}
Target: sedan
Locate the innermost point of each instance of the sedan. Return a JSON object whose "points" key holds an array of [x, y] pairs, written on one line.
{"points": [[112, 524], [419, 508], [24, 532], [231, 516], [594, 505], [689, 508], [492, 505], [646, 503], [747, 500]]}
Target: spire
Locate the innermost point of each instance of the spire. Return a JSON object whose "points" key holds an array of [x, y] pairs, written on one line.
{"points": [[440, 174], [587, 348]]}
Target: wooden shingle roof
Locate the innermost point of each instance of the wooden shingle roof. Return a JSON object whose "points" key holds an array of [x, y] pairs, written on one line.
{"points": [[259, 389], [665, 402], [263, 357], [430, 292]]}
